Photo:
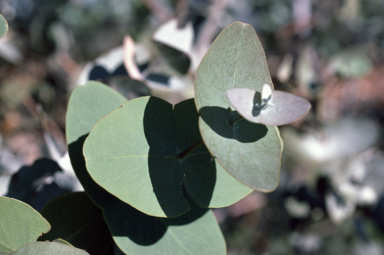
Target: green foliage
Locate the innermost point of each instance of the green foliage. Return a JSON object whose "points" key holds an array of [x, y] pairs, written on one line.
{"points": [[20, 224], [135, 235], [151, 170], [146, 159]]}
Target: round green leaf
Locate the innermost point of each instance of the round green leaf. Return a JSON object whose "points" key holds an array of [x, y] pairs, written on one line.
{"points": [[19, 224], [76, 219], [48, 248], [87, 105], [250, 152], [135, 154], [3, 26]]}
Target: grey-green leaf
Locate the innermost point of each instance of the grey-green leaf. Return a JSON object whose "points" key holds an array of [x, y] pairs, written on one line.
{"points": [[134, 231], [248, 151], [195, 232], [19, 224], [48, 248], [89, 103]]}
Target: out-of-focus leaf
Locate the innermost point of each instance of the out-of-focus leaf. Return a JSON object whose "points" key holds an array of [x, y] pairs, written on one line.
{"points": [[285, 69], [129, 88], [351, 63], [3, 26], [180, 39], [15, 90], [175, 44], [10, 52], [338, 140], [107, 65], [177, 60], [304, 72]]}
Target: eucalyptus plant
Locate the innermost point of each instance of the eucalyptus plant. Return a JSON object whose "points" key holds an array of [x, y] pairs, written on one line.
{"points": [[154, 170]]}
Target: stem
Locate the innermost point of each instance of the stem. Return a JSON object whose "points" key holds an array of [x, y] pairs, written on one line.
{"points": [[193, 147], [232, 121]]}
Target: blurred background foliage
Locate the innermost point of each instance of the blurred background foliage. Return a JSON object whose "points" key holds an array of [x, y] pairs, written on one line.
{"points": [[330, 198]]}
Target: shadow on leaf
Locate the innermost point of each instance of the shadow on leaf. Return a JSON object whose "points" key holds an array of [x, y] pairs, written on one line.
{"points": [[222, 122], [122, 219], [257, 104], [169, 132]]}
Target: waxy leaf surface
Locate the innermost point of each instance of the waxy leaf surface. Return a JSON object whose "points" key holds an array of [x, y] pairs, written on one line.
{"points": [[20, 224], [133, 231], [248, 151]]}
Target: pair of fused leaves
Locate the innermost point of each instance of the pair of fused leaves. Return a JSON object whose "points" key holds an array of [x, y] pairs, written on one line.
{"points": [[21, 225], [133, 231], [143, 143]]}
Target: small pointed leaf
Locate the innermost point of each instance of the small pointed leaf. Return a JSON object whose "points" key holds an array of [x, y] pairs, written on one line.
{"points": [[281, 109]]}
